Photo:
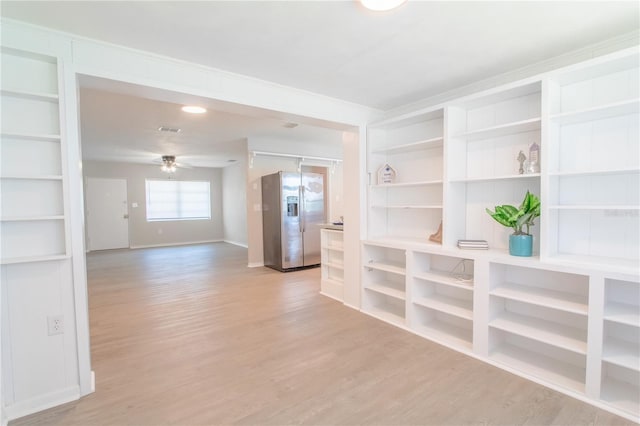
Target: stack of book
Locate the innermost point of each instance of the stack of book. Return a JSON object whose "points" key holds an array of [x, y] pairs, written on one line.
{"points": [[473, 244]]}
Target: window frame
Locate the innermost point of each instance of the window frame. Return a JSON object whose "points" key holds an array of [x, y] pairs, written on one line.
{"points": [[178, 193]]}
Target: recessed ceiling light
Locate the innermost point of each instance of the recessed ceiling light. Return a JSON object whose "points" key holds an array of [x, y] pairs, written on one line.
{"points": [[194, 109], [381, 5]]}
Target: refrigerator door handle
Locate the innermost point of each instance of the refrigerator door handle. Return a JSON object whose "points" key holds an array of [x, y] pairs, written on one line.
{"points": [[301, 209]]}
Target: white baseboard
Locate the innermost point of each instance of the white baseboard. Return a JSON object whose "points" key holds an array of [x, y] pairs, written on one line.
{"points": [[93, 381], [42, 402], [189, 243], [255, 264], [357, 308], [236, 243]]}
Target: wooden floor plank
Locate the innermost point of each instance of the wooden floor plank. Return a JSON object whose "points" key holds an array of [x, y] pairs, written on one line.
{"points": [[191, 336]]}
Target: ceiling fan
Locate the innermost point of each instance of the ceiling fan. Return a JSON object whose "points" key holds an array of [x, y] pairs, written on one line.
{"points": [[169, 164]]}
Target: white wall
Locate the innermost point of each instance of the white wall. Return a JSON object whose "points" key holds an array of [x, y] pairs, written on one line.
{"points": [[150, 234], [264, 165], [234, 203]]}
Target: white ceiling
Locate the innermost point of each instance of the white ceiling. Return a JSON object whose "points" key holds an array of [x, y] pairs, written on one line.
{"points": [[119, 122], [334, 48]]}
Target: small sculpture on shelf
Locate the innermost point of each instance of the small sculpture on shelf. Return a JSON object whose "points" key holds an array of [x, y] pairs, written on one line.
{"points": [[533, 166], [386, 174], [437, 236], [521, 159]]}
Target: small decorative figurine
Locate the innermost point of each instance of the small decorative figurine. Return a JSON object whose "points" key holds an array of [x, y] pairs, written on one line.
{"points": [[437, 237], [521, 158], [534, 159], [386, 174]]}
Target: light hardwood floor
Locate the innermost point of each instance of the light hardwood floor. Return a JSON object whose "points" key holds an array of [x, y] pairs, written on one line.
{"points": [[190, 336]]}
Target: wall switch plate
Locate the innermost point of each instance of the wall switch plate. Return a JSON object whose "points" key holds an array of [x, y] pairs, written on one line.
{"points": [[134, 205], [55, 324]]}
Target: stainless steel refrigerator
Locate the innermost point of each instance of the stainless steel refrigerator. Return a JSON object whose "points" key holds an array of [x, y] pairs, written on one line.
{"points": [[293, 207]]}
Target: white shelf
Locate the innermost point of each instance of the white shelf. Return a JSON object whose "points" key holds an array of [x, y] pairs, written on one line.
{"points": [[449, 305], [622, 353], [436, 207], [32, 259], [413, 146], [622, 313], [37, 96], [631, 266], [338, 249], [503, 129], [494, 178], [32, 177], [395, 268], [593, 207], [408, 184], [543, 297], [551, 369], [446, 332], [333, 281], [31, 136], [388, 291], [620, 394], [386, 316], [333, 265], [598, 113], [596, 172], [548, 332], [29, 219], [444, 278]]}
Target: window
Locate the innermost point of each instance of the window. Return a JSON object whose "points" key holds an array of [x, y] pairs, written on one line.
{"points": [[178, 200]]}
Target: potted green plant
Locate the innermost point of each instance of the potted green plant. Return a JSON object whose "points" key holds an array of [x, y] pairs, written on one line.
{"points": [[520, 242]]}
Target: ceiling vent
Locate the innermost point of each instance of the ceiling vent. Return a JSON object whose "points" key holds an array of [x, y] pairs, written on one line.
{"points": [[290, 125], [169, 129]]}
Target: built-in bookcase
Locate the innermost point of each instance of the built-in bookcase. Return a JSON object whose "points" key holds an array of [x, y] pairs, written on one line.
{"points": [[568, 317], [332, 263], [33, 209], [409, 208], [593, 203], [485, 135]]}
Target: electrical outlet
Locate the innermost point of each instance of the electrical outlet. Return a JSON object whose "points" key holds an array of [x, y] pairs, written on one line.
{"points": [[56, 324]]}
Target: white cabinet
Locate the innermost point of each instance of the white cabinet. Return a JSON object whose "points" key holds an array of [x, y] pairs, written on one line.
{"points": [[568, 317], [33, 209], [332, 263], [409, 208]]}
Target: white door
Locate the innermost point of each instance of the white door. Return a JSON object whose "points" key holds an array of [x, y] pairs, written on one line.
{"points": [[107, 214]]}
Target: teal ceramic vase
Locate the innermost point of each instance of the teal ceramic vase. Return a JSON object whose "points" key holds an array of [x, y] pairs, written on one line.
{"points": [[521, 245]]}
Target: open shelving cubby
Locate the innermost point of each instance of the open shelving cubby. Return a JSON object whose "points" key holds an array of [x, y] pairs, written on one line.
{"points": [[332, 263], [411, 206], [593, 208], [485, 135], [441, 305], [384, 278], [33, 213], [620, 385]]}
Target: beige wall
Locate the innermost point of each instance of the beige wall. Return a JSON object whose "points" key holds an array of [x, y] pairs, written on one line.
{"points": [[234, 203], [264, 165], [143, 233]]}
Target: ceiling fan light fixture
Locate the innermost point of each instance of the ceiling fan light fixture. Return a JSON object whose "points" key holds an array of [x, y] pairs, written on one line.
{"points": [[382, 5], [168, 163], [193, 109]]}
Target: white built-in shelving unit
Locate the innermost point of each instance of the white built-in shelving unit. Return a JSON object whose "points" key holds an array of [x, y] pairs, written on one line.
{"points": [[332, 263], [33, 213], [567, 317], [411, 206]]}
